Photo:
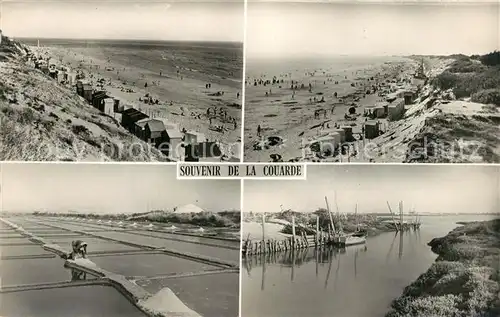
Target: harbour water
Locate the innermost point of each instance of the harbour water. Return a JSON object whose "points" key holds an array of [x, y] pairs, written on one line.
{"points": [[359, 281]]}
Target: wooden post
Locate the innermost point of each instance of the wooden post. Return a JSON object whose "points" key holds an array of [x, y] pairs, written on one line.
{"points": [[293, 231]]}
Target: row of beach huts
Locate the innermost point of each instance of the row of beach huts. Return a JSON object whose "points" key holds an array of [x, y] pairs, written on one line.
{"points": [[396, 95], [177, 144]]}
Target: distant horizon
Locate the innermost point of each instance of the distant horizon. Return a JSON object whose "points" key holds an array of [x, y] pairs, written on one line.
{"points": [[380, 213], [119, 39], [283, 29], [109, 189], [136, 20], [423, 188]]}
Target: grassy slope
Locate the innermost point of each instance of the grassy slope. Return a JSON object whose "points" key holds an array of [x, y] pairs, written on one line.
{"points": [[464, 281], [44, 121], [477, 78], [460, 138]]}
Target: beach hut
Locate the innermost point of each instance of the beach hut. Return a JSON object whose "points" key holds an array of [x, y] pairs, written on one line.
{"points": [[130, 117], [154, 132], [53, 73], [396, 109], [174, 139], [372, 129], [409, 97], [79, 88], [71, 78], [109, 106], [87, 93], [61, 76], [139, 127], [194, 137], [341, 133], [326, 145], [380, 110], [202, 152], [98, 99], [118, 108], [348, 133]]}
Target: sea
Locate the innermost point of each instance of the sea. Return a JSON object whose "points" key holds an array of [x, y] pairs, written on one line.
{"points": [[223, 59], [257, 67]]}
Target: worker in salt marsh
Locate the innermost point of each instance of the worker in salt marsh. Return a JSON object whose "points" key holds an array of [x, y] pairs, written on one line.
{"points": [[79, 250]]}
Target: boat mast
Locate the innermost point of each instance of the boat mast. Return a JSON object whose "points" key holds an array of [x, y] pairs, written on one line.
{"points": [[356, 215], [338, 213], [330, 214]]}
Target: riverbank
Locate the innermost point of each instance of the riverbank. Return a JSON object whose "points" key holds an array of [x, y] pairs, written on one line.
{"points": [[464, 281]]}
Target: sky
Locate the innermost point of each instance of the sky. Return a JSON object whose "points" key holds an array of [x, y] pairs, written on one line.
{"points": [[428, 189], [105, 188], [299, 30], [134, 20]]}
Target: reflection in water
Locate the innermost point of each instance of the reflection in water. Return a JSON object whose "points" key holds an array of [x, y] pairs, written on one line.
{"points": [[359, 281], [297, 258], [77, 275]]}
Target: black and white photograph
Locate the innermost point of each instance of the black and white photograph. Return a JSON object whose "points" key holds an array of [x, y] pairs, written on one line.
{"points": [[372, 81], [121, 80], [373, 241], [117, 240]]}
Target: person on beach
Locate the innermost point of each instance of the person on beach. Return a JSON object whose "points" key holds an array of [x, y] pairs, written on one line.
{"points": [[259, 130]]}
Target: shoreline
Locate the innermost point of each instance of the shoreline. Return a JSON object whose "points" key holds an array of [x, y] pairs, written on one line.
{"points": [[463, 281], [182, 100], [44, 118], [438, 125], [332, 93]]}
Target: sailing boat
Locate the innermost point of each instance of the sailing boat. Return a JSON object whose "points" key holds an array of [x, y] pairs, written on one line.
{"points": [[340, 237], [359, 232]]}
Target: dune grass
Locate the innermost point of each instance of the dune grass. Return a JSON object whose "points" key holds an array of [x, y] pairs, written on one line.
{"points": [[477, 77], [463, 282]]}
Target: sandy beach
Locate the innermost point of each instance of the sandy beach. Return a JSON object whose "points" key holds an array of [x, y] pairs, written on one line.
{"points": [[304, 103], [176, 77]]}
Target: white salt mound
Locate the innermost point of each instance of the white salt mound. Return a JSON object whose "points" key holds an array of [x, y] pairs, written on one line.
{"points": [[167, 304], [186, 209]]}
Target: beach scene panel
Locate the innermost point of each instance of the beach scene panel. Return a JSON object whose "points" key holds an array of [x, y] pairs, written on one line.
{"points": [[122, 81], [361, 82], [373, 240]]}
